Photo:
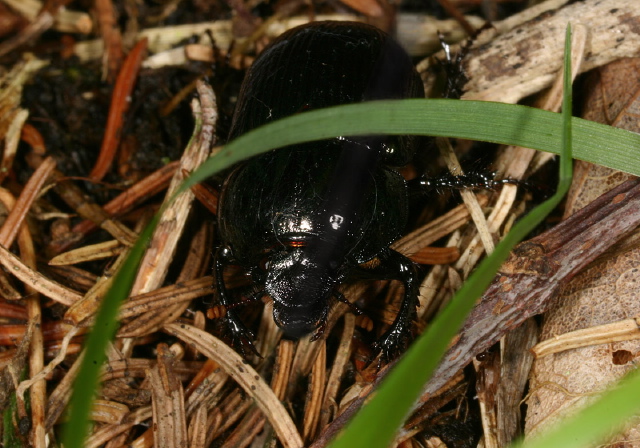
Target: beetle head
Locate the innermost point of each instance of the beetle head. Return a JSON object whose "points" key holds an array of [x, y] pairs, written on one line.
{"points": [[300, 290]]}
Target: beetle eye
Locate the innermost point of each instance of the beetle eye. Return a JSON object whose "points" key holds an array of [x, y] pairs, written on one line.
{"points": [[389, 149]]}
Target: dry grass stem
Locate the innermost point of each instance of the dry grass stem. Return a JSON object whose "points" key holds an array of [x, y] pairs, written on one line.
{"points": [[154, 265], [93, 252], [36, 280], [624, 330], [245, 376]]}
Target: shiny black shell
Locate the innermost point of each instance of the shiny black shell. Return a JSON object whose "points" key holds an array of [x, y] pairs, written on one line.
{"points": [[324, 64], [273, 199]]}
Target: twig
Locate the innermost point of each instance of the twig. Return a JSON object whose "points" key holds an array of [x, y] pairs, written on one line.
{"points": [[120, 101], [155, 264]]}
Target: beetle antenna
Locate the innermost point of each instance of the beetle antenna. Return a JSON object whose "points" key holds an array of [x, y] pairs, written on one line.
{"points": [[254, 297], [219, 310]]}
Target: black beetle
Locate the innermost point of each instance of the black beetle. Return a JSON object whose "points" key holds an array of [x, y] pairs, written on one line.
{"points": [[306, 218]]}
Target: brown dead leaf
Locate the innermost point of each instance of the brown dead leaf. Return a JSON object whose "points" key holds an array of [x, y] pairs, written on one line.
{"points": [[605, 292]]}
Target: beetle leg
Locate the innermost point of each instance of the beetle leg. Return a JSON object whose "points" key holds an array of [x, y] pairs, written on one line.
{"points": [[396, 266], [352, 306], [321, 328], [242, 338], [469, 181]]}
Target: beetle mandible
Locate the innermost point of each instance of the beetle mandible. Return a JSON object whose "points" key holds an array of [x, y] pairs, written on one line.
{"points": [[305, 218]]}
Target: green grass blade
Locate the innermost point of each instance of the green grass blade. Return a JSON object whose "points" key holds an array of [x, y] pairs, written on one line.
{"points": [[103, 331], [475, 120], [10, 428], [377, 422], [86, 384]]}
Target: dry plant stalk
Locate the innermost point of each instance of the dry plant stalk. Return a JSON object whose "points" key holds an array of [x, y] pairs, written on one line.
{"points": [[168, 402], [526, 59]]}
